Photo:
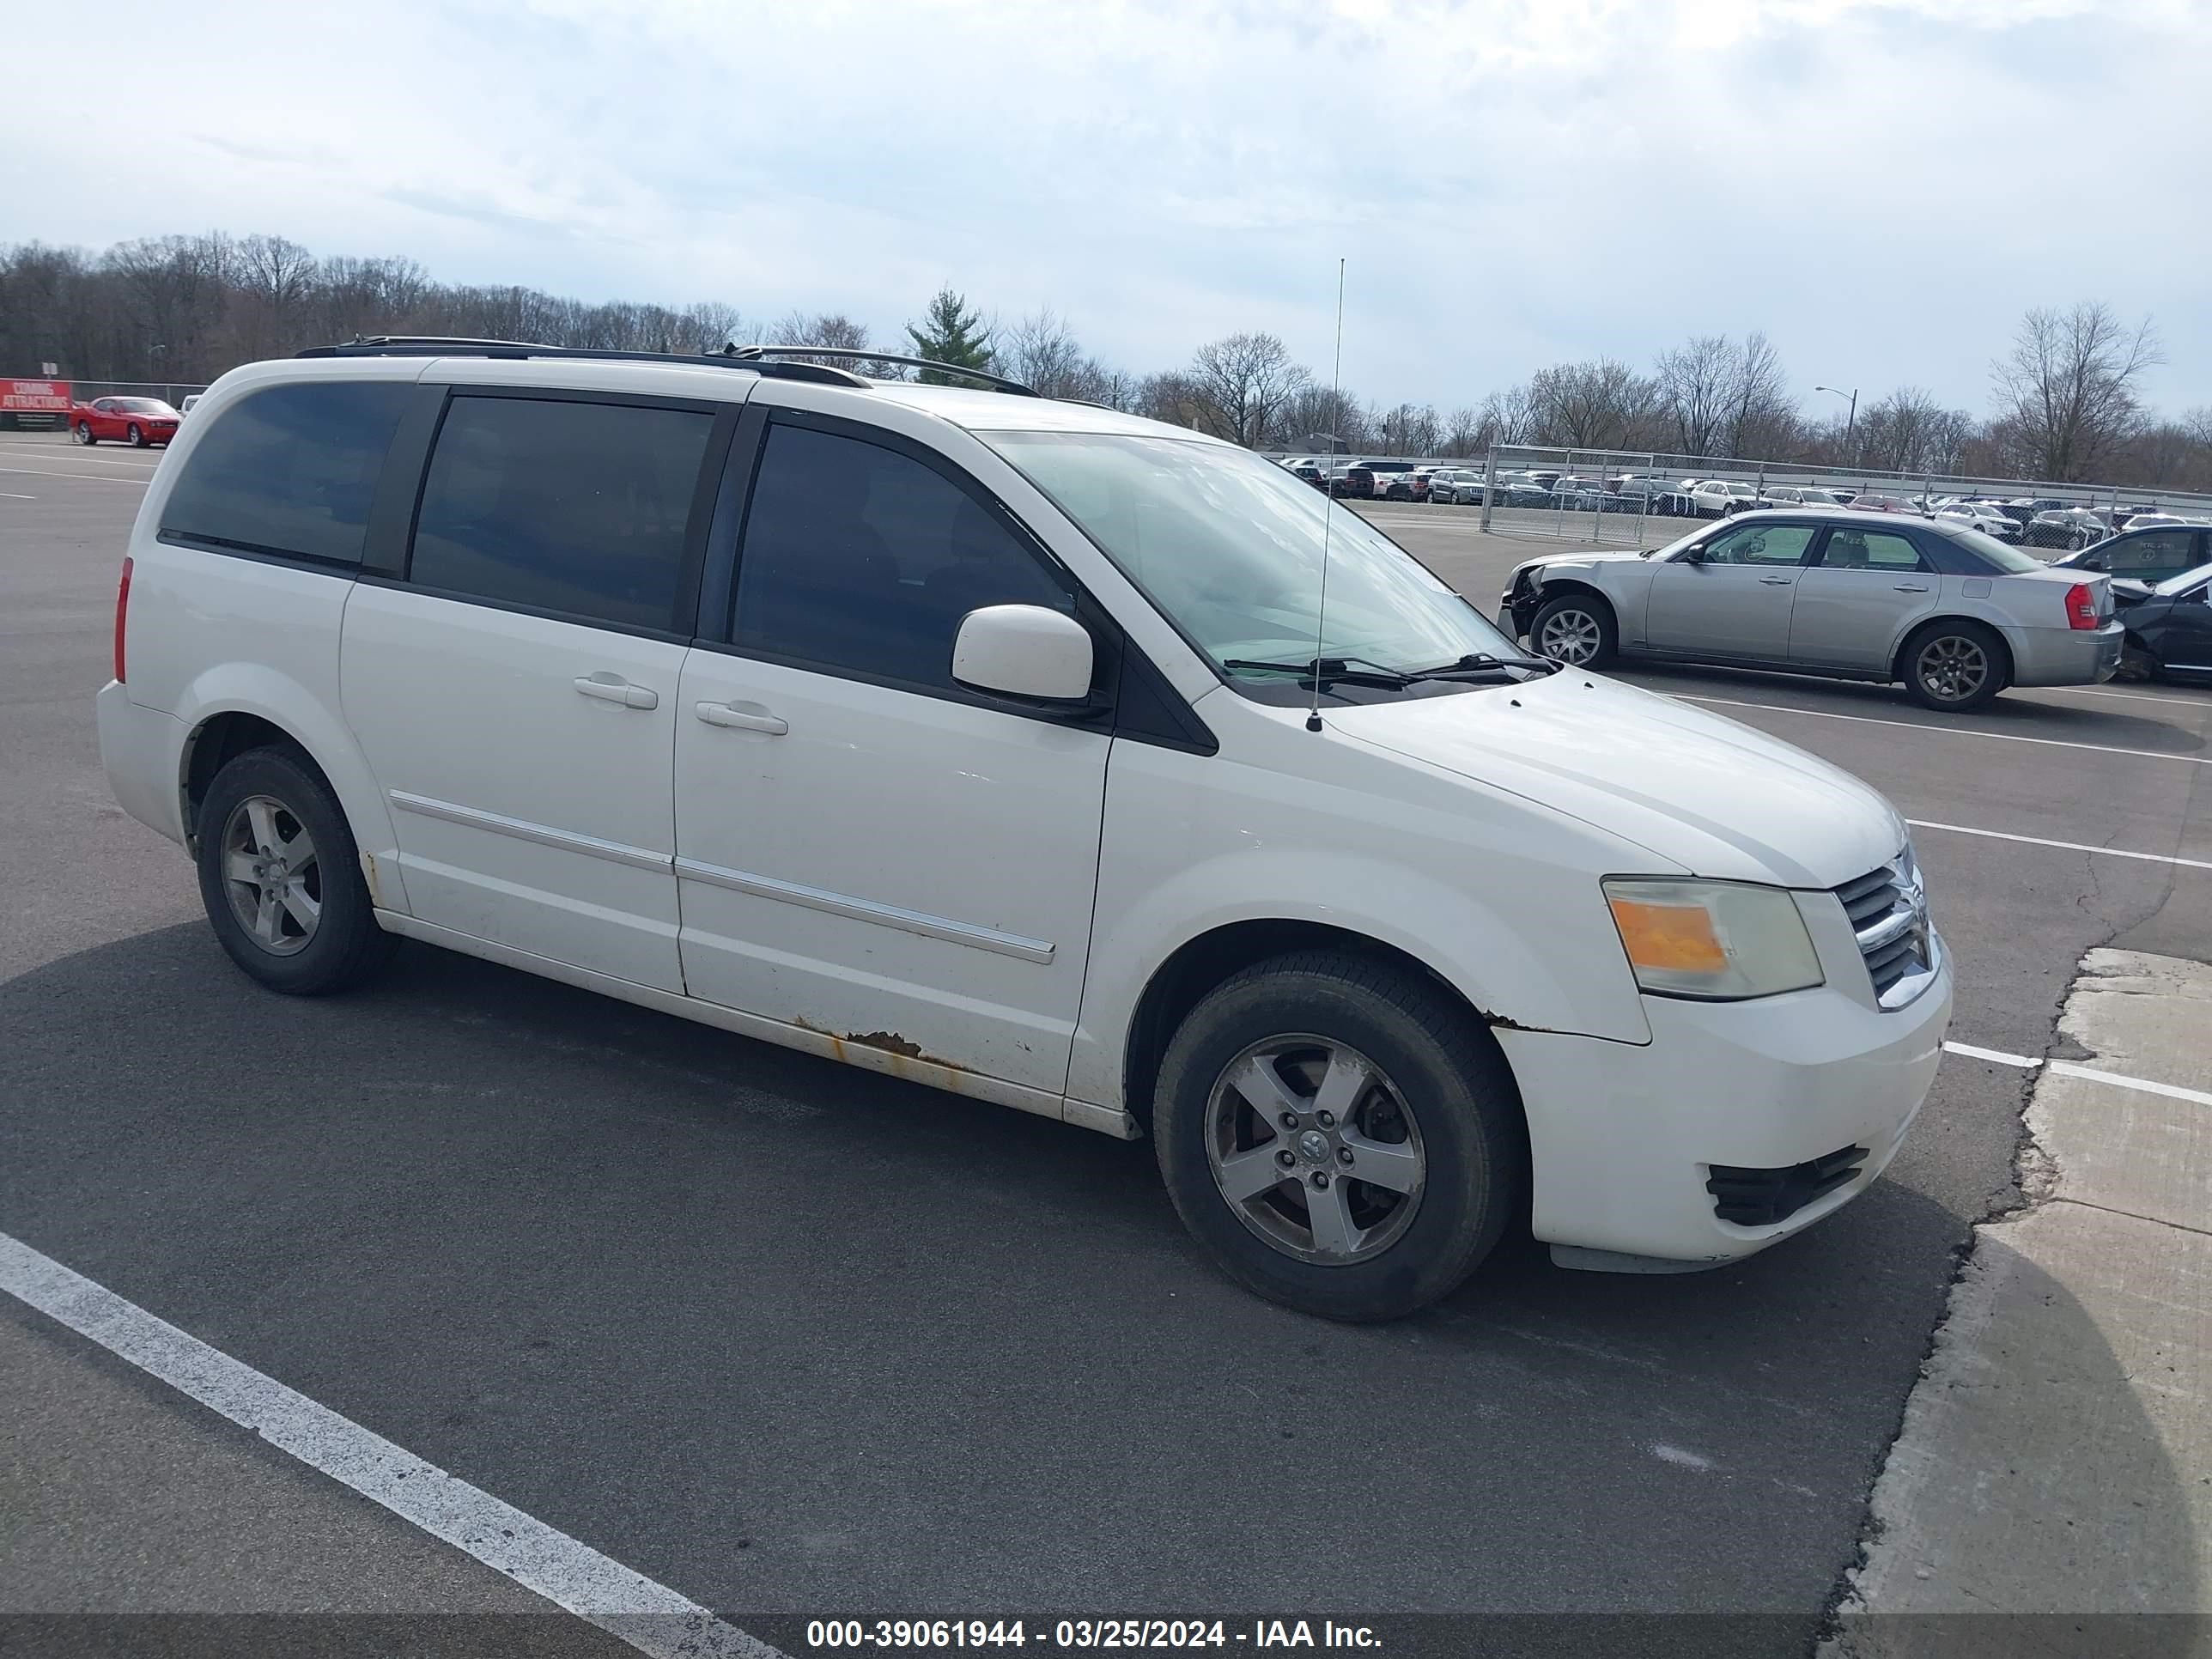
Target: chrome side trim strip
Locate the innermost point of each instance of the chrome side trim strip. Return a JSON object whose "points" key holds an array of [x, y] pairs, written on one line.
{"points": [[856, 909], [638, 858]]}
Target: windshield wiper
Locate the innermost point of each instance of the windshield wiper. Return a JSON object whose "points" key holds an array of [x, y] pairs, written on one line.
{"points": [[1360, 670], [1348, 670]]}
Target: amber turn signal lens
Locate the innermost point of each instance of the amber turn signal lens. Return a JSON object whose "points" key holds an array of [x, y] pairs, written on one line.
{"points": [[1675, 937]]}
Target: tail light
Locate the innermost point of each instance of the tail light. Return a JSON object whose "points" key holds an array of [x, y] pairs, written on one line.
{"points": [[121, 616], [2081, 606]]}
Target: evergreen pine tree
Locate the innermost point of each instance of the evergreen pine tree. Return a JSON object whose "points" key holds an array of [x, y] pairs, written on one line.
{"points": [[950, 332]]}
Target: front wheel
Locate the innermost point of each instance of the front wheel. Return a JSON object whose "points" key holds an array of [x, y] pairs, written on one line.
{"points": [[138, 437], [1954, 665], [1576, 630], [280, 876], [81, 431], [1340, 1135]]}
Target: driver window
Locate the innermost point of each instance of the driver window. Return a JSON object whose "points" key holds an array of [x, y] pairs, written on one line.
{"points": [[1779, 544], [1869, 549]]}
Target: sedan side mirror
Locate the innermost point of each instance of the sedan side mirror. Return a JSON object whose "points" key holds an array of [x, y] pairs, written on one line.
{"points": [[1025, 651]]}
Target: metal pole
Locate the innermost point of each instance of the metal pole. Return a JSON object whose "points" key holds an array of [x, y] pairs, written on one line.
{"points": [[1489, 486]]}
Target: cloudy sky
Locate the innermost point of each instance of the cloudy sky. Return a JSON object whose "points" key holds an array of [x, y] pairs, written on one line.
{"points": [[1882, 185]]}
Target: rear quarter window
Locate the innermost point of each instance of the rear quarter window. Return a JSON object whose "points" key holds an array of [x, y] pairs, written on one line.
{"points": [[288, 470]]}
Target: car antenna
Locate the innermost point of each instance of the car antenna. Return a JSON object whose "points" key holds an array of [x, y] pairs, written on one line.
{"points": [[1327, 506]]}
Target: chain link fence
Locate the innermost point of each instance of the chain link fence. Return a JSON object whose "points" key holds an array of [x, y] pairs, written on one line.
{"points": [[1643, 498]]}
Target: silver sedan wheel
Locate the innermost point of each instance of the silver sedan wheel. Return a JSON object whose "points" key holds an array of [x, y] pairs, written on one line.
{"points": [[1952, 667], [271, 875], [1570, 636], [1314, 1149]]}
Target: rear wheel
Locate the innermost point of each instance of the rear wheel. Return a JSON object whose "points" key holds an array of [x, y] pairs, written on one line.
{"points": [[81, 431], [1575, 628], [280, 876], [1340, 1135], [1954, 665]]}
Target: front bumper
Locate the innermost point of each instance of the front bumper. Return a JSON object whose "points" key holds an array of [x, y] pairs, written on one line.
{"points": [[2065, 656], [1624, 1138]]}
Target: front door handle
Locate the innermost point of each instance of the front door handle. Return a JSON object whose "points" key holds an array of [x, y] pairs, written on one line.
{"points": [[1776, 581], [1912, 587], [613, 688], [750, 718]]}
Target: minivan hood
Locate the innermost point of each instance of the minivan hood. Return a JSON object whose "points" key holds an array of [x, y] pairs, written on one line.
{"points": [[1711, 796]]}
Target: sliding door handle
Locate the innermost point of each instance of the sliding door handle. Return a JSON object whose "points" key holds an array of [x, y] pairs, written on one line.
{"points": [[613, 688], [750, 717]]}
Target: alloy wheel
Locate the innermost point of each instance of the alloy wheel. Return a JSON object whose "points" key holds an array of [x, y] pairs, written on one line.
{"points": [[1570, 636], [1316, 1149], [1954, 667], [271, 875]]}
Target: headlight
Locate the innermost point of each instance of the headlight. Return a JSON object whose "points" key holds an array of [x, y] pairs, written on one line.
{"points": [[1719, 940]]}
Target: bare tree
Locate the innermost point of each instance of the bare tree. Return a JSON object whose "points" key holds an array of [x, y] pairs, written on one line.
{"points": [[1598, 405], [1697, 384], [2066, 393], [1466, 432], [1242, 383], [1759, 405], [1041, 353], [1511, 415]]}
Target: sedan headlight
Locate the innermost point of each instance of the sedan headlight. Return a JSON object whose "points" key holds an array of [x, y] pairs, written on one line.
{"points": [[1721, 941]]}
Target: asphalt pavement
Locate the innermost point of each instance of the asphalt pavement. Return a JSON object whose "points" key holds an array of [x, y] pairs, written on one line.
{"points": [[796, 1340]]}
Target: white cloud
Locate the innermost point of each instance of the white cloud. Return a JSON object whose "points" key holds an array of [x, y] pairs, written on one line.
{"points": [[1882, 185]]}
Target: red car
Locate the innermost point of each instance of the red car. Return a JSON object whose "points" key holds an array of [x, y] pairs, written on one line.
{"points": [[140, 420]]}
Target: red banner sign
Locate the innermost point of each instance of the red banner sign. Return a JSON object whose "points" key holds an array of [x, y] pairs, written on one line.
{"points": [[35, 397]]}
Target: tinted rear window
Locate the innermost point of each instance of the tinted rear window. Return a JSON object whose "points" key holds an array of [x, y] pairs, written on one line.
{"points": [[290, 470], [576, 508]]}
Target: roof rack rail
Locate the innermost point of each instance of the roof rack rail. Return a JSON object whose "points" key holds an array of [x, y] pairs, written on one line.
{"points": [[436, 345], [755, 353]]}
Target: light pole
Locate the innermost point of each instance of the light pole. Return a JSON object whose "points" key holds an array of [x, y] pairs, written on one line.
{"points": [[1850, 420]]}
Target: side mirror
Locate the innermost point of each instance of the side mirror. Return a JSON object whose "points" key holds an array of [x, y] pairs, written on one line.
{"points": [[1023, 651]]}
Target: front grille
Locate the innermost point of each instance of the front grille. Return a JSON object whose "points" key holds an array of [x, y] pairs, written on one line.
{"points": [[1887, 909], [1759, 1198]]}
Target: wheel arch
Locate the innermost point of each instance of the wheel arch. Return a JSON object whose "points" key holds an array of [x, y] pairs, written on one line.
{"points": [[224, 726], [1914, 631], [1205, 961]]}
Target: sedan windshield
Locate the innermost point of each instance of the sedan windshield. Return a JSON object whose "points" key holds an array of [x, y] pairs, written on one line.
{"points": [[1229, 549]]}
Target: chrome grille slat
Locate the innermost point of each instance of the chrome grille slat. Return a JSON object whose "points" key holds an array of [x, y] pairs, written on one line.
{"points": [[1888, 913]]}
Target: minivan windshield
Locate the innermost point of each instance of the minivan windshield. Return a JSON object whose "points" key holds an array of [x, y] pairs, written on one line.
{"points": [[1230, 549]]}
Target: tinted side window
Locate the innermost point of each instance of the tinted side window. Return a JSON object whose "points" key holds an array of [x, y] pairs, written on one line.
{"points": [[290, 470], [571, 506], [857, 557], [2156, 553], [1779, 543], [1869, 549]]}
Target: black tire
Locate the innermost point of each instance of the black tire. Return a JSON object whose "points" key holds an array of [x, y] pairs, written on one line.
{"points": [[345, 946], [1936, 662], [83, 433], [1457, 1092], [1559, 616], [137, 438]]}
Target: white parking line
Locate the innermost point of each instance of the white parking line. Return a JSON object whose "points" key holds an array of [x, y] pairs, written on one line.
{"points": [[2090, 1074], [77, 458], [81, 478], [650, 1617], [1953, 731], [2128, 696], [13, 496], [2064, 846]]}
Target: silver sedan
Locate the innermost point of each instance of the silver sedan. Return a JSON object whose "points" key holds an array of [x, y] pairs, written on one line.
{"points": [[1956, 615]]}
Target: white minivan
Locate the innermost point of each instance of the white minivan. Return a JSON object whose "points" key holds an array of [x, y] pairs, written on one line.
{"points": [[1020, 748]]}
